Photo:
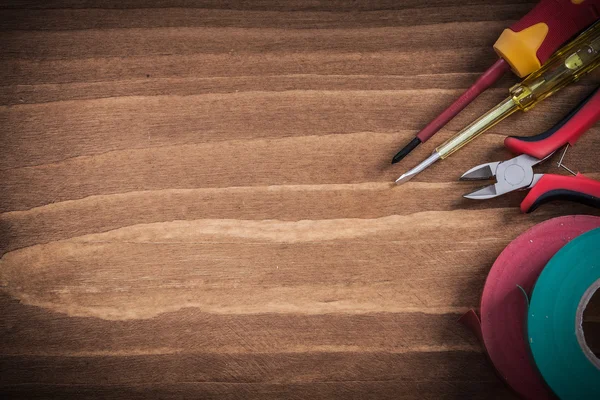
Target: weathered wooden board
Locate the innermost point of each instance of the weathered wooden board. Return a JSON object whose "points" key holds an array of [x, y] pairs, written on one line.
{"points": [[196, 198]]}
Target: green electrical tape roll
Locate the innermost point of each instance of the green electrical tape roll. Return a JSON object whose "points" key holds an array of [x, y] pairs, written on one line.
{"points": [[556, 339]]}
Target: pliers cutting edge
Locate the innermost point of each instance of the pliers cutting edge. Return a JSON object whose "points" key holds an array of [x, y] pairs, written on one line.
{"points": [[517, 173]]}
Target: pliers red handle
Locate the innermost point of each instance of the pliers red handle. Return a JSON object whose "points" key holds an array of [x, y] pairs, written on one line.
{"points": [[517, 173]]}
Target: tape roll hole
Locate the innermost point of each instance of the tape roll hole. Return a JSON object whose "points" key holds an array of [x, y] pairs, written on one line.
{"points": [[591, 323]]}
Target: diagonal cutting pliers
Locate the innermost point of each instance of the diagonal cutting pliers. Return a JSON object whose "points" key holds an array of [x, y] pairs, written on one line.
{"points": [[517, 173]]}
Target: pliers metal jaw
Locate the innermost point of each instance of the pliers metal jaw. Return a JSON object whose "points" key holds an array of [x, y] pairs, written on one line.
{"points": [[518, 174], [514, 174]]}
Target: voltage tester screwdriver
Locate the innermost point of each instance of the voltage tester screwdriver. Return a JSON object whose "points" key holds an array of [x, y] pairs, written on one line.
{"points": [[523, 47], [567, 65]]}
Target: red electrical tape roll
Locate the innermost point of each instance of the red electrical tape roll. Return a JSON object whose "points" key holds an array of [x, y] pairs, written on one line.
{"points": [[502, 327]]}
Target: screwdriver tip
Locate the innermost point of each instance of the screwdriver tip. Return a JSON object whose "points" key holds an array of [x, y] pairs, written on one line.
{"points": [[407, 149], [404, 178], [416, 170]]}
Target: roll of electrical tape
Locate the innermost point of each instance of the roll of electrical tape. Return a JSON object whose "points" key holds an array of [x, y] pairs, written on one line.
{"points": [[556, 338], [503, 309]]}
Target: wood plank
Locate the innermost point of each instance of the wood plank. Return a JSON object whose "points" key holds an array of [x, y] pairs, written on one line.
{"points": [[259, 5], [347, 390], [263, 263], [197, 331], [290, 368], [160, 17], [240, 41], [196, 199]]}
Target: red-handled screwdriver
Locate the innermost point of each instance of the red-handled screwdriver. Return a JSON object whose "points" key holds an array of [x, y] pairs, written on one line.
{"points": [[523, 47]]}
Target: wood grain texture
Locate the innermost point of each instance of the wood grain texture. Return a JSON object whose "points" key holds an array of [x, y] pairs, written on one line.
{"points": [[196, 198]]}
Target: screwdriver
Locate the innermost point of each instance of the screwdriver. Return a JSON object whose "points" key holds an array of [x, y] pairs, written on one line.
{"points": [[523, 47], [567, 65]]}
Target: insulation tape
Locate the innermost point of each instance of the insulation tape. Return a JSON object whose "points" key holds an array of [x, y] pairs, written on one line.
{"points": [[555, 316], [503, 311]]}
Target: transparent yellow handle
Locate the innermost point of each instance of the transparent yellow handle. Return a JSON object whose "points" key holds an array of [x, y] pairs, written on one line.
{"points": [[567, 65]]}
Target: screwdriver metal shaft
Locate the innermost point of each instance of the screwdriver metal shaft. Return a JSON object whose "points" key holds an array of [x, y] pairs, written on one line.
{"points": [[476, 128]]}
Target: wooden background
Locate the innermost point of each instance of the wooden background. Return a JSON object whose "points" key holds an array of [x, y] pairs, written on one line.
{"points": [[196, 199]]}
